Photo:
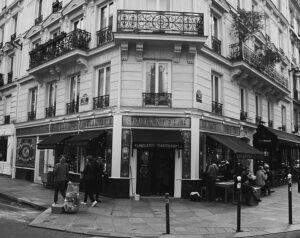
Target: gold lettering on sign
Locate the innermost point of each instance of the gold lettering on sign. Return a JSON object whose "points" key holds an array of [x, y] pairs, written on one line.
{"points": [[165, 122]]}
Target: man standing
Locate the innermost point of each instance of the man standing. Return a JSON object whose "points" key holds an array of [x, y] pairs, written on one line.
{"points": [[60, 172], [261, 178], [212, 172]]}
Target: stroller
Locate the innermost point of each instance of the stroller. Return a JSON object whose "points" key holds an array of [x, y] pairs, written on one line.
{"points": [[71, 203]]}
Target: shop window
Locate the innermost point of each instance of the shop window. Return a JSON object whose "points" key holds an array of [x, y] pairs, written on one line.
{"points": [[106, 15], [104, 81], [3, 149], [79, 24]]}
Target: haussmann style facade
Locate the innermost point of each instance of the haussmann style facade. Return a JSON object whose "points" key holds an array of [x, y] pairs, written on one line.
{"points": [[158, 88]]}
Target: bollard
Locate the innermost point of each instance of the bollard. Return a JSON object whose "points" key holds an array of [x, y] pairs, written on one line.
{"points": [[238, 186], [167, 213], [298, 180], [290, 199]]}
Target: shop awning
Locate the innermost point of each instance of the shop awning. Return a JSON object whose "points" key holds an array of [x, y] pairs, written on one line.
{"points": [[85, 137], [51, 141], [239, 147], [282, 136], [156, 138]]}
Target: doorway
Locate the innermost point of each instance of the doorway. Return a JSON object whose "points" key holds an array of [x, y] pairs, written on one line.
{"points": [[155, 171]]}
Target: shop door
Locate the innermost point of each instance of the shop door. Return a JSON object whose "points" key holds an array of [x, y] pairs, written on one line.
{"points": [[155, 172]]}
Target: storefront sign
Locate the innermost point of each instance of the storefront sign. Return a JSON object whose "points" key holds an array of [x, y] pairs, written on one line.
{"points": [[219, 127], [162, 122], [26, 152], [96, 123], [167, 146], [35, 130]]}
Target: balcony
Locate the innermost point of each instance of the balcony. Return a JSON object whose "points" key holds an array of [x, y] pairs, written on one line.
{"points": [[101, 102], [1, 80], [50, 111], [243, 116], [73, 107], [7, 119], [31, 115], [259, 121], [38, 20], [56, 6], [13, 37], [217, 107], [157, 99], [61, 45], [216, 45], [104, 36], [270, 123], [252, 72], [9, 77]]}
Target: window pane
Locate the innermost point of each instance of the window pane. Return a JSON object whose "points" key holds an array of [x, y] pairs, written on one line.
{"points": [[256, 105], [111, 12], [216, 89], [242, 100], [73, 89], [150, 80], [163, 78], [100, 82], [78, 87], [103, 21], [33, 100], [107, 85]]}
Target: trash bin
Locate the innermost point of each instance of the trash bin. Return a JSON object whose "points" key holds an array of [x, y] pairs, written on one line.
{"points": [[72, 202]]}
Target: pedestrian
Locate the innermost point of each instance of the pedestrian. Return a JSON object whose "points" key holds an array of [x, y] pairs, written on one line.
{"points": [[60, 174], [212, 173], [261, 178], [269, 178], [99, 174], [89, 177]]}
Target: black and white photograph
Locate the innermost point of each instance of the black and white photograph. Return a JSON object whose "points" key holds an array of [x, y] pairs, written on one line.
{"points": [[149, 118]]}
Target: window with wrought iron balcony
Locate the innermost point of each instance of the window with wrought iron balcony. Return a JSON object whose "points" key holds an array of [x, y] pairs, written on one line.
{"points": [[60, 45], [216, 45], [283, 128], [296, 129], [31, 115], [258, 120], [38, 20], [1, 80], [217, 107], [243, 116], [50, 111], [270, 123], [73, 107], [9, 77], [7, 119]]}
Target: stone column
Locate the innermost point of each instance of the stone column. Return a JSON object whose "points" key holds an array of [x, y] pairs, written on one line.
{"points": [[116, 146], [195, 140]]}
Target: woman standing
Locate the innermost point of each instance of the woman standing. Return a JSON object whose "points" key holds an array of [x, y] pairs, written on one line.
{"points": [[89, 178]]}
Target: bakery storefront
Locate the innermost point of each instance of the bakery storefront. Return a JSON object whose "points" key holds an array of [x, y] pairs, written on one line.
{"points": [[281, 151], [159, 152], [38, 153]]}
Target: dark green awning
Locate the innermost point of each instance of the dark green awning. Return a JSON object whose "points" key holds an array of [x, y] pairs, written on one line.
{"points": [[52, 141], [85, 137], [239, 147]]}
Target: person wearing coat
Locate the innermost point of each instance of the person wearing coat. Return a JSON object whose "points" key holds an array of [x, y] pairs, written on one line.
{"points": [[89, 178]]}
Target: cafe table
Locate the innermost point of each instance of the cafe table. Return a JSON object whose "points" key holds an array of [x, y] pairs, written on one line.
{"points": [[228, 186]]}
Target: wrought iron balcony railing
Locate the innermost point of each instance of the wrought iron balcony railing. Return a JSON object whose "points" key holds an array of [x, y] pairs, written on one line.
{"points": [[1, 80], [9, 77], [56, 6], [7, 119], [73, 107], [270, 123], [283, 128], [259, 121], [62, 44], [31, 115], [157, 99], [243, 116], [216, 45], [296, 129], [104, 36], [50, 111], [242, 52], [101, 102], [217, 107], [13, 37], [178, 23], [38, 20]]}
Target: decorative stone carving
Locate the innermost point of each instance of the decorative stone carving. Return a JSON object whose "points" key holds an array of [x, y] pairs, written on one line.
{"points": [[139, 51], [124, 51], [83, 63], [177, 53], [191, 54]]}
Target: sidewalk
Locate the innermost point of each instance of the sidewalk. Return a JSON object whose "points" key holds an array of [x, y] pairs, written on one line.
{"points": [[146, 218]]}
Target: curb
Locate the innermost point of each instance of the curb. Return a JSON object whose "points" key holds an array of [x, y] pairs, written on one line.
{"points": [[23, 201]]}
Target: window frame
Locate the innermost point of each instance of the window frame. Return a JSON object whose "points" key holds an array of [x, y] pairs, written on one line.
{"points": [[104, 87], [258, 105], [169, 80], [77, 88], [7, 108], [49, 85], [283, 115], [110, 8], [81, 21], [270, 111], [31, 90], [213, 88], [244, 107]]}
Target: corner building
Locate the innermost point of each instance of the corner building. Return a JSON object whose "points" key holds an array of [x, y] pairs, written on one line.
{"points": [[158, 88]]}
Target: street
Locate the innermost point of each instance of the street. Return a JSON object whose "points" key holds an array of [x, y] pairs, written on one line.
{"points": [[14, 219]]}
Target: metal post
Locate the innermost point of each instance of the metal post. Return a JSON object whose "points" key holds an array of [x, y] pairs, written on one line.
{"points": [[167, 213], [238, 186], [290, 199], [298, 180]]}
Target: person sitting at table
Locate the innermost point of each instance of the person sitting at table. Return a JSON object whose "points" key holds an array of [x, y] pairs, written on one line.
{"points": [[247, 189]]}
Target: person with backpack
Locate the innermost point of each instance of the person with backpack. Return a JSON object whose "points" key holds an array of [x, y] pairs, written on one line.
{"points": [[212, 172]]}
